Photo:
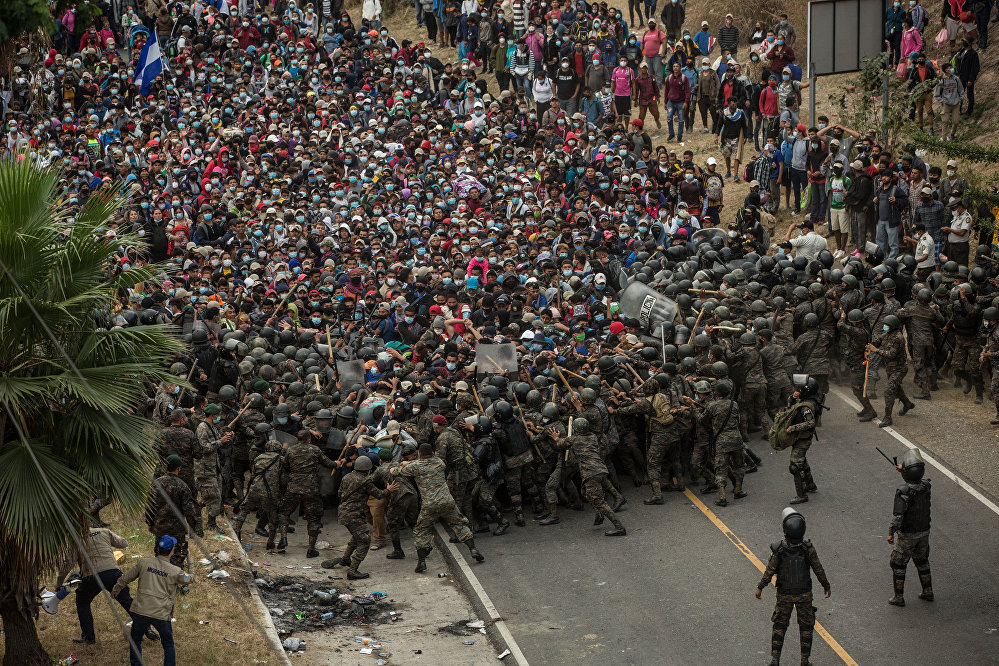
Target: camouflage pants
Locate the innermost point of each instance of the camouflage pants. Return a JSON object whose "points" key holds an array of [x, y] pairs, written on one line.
{"points": [[360, 540], [915, 547], [313, 513], [753, 409], [518, 480], [924, 363], [965, 362], [462, 492], [661, 450], [594, 489], [402, 510], [423, 531], [725, 462], [239, 470], [782, 618], [777, 395], [628, 456], [894, 390], [995, 385], [209, 496], [260, 501], [699, 462]]}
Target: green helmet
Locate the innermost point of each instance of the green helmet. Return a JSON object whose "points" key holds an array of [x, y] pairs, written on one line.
{"points": [[550, 411], [580, 426], [587, 396], [421, 399], [227, 393], [296, 388], [702, 387], [593, 382]]}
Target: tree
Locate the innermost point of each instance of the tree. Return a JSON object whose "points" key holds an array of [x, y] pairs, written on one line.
{"points": [[26, 17], [68, 384]]}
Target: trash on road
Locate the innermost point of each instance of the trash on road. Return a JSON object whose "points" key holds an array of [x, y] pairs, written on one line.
{"points": [[478, 624], [293, 644], [223, 556], [468, 642], [219, 574], [322, 545], [503, 654]]}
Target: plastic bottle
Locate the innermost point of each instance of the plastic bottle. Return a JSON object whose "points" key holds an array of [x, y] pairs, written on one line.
{"points": [[326, 617]]}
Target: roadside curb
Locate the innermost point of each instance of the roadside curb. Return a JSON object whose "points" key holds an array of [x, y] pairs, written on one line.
{"points": [[496, 627], [263, 614]]}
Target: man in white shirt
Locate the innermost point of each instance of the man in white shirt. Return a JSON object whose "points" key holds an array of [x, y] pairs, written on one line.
{"points": [[925, 259], [959, 232], [809, 243]]}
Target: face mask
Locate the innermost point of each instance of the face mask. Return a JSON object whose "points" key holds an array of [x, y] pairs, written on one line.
{"points": [[688, 177], [886, 328], [951, 172], [451, 366], [176, 390]]}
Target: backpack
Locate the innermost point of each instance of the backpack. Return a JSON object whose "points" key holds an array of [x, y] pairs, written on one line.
{"points": [[660, 409], [779, 437], [714, 188]]}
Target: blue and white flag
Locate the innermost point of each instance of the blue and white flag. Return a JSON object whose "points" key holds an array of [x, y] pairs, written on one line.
{"points": [[150, 65], [222, 6]]}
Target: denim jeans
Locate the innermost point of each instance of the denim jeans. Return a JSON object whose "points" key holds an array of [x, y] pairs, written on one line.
{"points": [[675, 109], [569, 106], [798, 179], [656, 68], [88, 590], [817, 199], [887, 239], [140, 623]]}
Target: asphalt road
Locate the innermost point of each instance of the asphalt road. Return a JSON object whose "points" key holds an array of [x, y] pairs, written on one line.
{"points": [[679, 588]]}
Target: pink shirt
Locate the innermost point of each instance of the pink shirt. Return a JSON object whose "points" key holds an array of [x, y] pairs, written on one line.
{"points": [[652, 43], [621, 78]]}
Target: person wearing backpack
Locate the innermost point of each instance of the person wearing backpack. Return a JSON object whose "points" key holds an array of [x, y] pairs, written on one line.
{"points": [[799, 418]]}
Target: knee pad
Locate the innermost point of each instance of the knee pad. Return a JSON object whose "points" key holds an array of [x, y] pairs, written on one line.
{"points": [[794, 469]]}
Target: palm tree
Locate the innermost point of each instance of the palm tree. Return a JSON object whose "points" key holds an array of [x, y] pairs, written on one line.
{"points": [[68, 383]]}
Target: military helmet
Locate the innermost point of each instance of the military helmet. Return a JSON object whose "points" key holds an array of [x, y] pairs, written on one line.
{"points": [[421, 400], [816, 289], [855, 315], [550, 411], [313, 407], [811, 320], [747, 339], [296, 388], [913, 467], [758, 306], [605, 363], [503, 410], [324, 415], [227, 392], [533, 398], [721, 312], [793, 524], [702, 341], [347, 413], [723, 387], [362, 464], [255, 400], [688, 364], [262, 428], [580, 426], [800, 292], [178, 369], [282, 409], [593, 382], [990, 314], [587, 396], [888, 285], [702, 387], [892, 322]]}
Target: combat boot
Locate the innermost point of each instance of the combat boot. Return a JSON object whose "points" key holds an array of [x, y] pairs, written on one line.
{"points": [[312, 552], [552, 518], [282, 545], [261, 529], [598, 519], [619, 505], [709, 487], [899, 584], [473, 551], [657, 496], [907, 406], [867, 413], [618, 527], [809, 481], [354, 574], [886, 421], [502, 528], [967, 385], [979, 395], [421, 559], [397, 553], [927, 582], [237, 527]]}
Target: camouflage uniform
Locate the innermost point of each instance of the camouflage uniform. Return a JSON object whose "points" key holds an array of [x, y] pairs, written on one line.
{"points": [[462, 472], [919, 320], [968, 345], [804, 428], [910, 525], [246, 437], [304, 461], [160, 516], [206, 470], [354, 491], [663, 437], [776, 376], [793, 595], [588, 454], [891, 351], [163, 405], [992, 347], [182, 442], [436, 502], [753, 397], [811, 349], [267, 484], [518, 469], [721, 416], [855, 343], [403, 505]]}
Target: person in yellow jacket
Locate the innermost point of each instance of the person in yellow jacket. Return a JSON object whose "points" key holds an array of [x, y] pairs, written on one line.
{"points": [[153, 603]]}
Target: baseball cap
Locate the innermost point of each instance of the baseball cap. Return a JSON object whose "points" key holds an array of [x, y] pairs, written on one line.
{"points": [[713, 161], [166, 542], [952, 163], [754, 183]]}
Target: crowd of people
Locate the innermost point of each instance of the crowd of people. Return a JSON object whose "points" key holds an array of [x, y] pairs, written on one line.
{"points": [[341, 220]]}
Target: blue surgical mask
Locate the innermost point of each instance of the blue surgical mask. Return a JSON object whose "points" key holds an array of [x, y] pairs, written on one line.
{"points": [[451, 366], [886, 328]]}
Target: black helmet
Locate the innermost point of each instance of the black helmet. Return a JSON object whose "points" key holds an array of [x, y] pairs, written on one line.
{"points": [[816, 289], [855, 315], [811, 320], [587, 396], [669, 351], [296, 388], [605, 363], [809, 388], [580, 426], [421, 399], [747, 339], [723, 387], [892, 322], [719, 369], [199, 336], [888, 285], [262, 428], [502, 410], [702, 340], [991, 314], [799, 263], [550, 411], [779, 303], [793, 524], [520, 390], [593, 382], [977, 275], [649, 353], [533, 398], [227, 392], [789, 274], [913, 467], [801, 293], [924, 296], [825, 258]]}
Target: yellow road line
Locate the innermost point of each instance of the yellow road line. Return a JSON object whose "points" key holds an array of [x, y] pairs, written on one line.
{"points": [[737, 542]]}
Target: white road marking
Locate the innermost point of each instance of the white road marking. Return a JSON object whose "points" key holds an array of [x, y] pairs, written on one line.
{"points": [[494, 617], [842, 395]]}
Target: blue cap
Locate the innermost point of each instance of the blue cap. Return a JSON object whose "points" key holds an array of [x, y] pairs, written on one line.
{"points": [[166, 542], [472, 283]]}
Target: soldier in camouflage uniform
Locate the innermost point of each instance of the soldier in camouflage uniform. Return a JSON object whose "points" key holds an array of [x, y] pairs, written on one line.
{"points": [[206, 464], [721, 417], [403, 506], [890, 349], [919, 317], [793, 560], [991, 353], [355, 488], [421, 426], [518, 459], [462, 472], [852, 329], [436, 504], [753, 397], [586, 448], [803, 427], [267, 485], [909, 531], [660, 409], [178, 440], [812, 349], [166, 401], [778, 383], [246, 437], [875, 315], [304, 460], [160, 514], [702, 455], [551, 430], [967, 342]]}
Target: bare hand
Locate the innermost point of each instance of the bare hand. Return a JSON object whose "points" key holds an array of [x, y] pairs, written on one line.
{"points": [[828, 593], [395, 484], [759, 593], [891, 538]]}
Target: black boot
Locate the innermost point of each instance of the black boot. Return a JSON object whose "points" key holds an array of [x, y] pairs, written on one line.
{"points": [[354, 574], [312, 552], [421, 559], [397, 553], [476, 555], [927, 582], [899, 584], [502, 528], [886, 421], [806, 644], [809, 481], [552, 518], [282, 545]]}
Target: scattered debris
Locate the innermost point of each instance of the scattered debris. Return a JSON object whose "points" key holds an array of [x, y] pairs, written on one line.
{"points": [[219, 574], [223, 556], [322, 545], [503, 654], [293, 644], [305, 608]]}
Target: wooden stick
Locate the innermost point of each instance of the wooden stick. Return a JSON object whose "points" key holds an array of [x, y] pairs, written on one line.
{"points": [[476, 394], [318, 387], [239, 414], [867, 372], [575, 375], [697, 321], [329, 342], [348, 442], [637, 376]]}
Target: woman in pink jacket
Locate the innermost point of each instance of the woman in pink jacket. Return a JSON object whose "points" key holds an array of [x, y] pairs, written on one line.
{"points": [[478, 262], [912, 41]]}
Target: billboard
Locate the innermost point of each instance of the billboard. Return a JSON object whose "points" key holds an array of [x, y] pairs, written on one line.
{"points": [[842, 33]]}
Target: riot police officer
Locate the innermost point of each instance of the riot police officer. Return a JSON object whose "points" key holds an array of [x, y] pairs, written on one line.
{"points": [[909, 531]]}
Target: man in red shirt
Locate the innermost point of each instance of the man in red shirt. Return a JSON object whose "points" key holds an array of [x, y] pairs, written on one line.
{"points": [[676, 92]]}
